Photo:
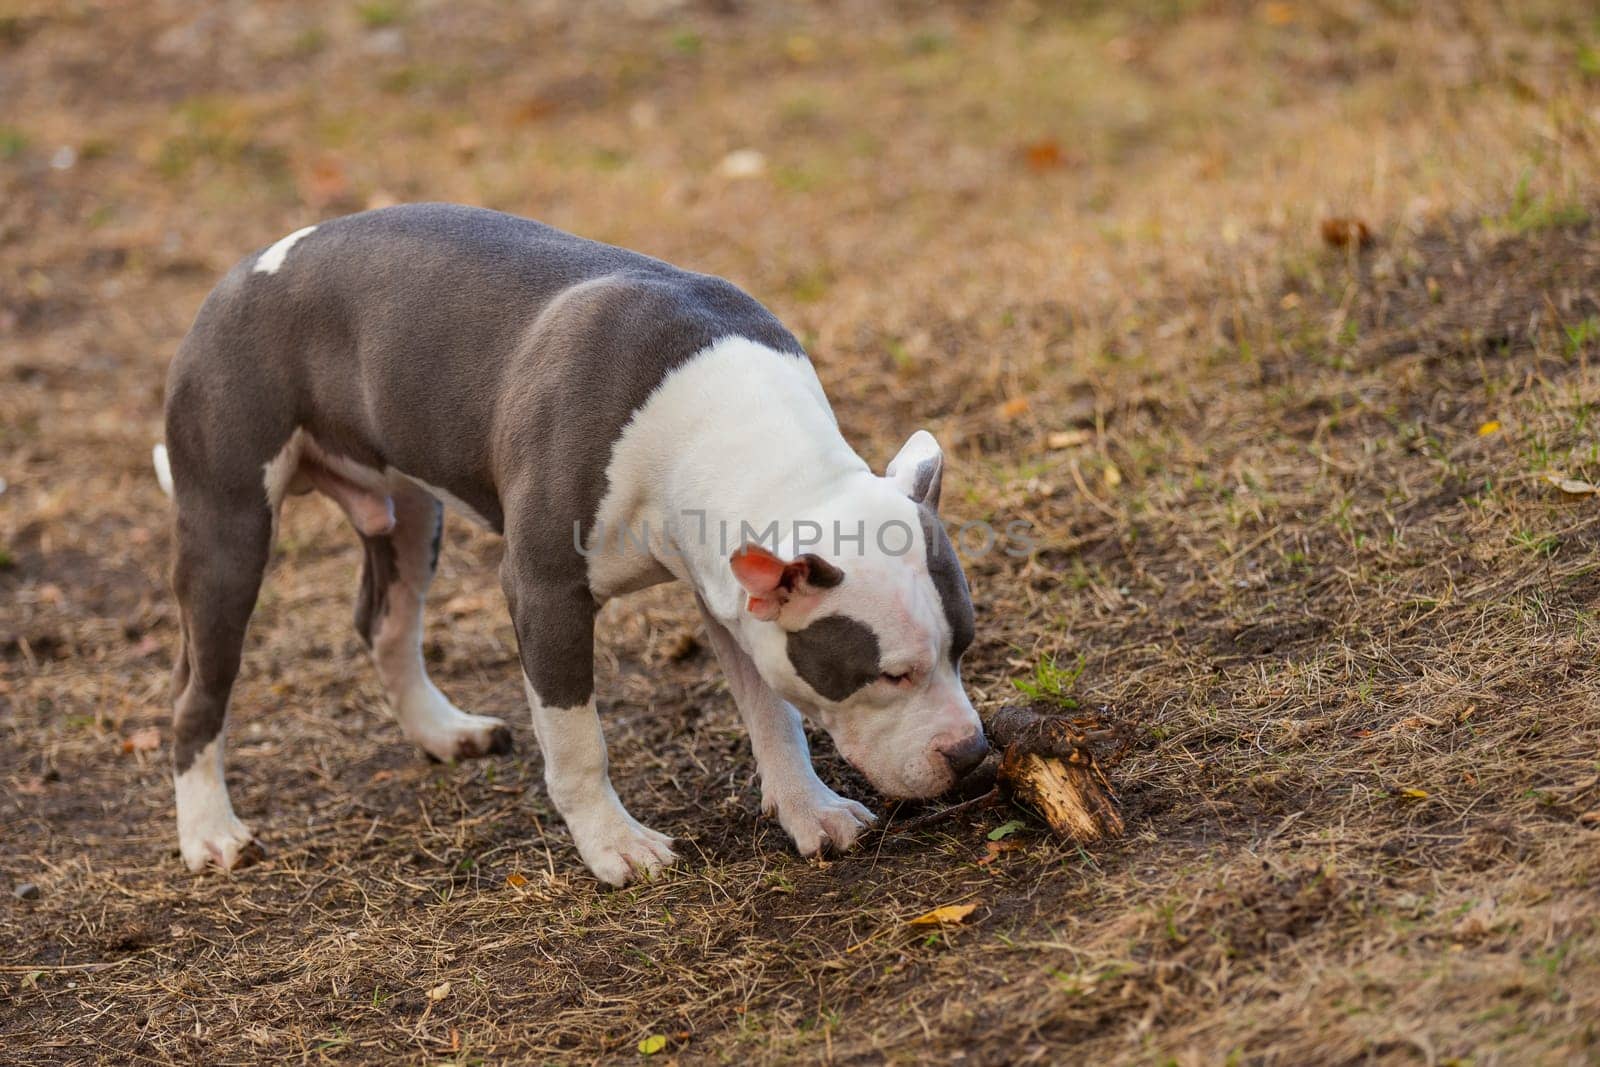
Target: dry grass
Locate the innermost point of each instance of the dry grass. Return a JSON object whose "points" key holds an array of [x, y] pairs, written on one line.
{"points": [[1351, 631]]}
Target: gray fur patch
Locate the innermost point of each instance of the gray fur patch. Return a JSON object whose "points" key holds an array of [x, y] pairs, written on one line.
{"points": [[378, 573], [457, 345], [437, 541], [835, 655], [926, 488], [944, 567]]}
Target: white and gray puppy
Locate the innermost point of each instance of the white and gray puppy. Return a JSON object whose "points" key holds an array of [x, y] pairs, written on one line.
{"points": [[621, 423]]}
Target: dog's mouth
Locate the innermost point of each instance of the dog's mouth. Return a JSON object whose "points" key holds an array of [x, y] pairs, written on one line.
{"points": [[900, 791]]}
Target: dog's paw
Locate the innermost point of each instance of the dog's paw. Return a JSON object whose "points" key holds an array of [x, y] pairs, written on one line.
{"points": [[482, 736], [447, 733], [619, 850], [229, 845], [819, 819]]}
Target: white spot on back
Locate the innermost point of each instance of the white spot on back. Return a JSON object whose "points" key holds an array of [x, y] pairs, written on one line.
{"points": [[273, 257]]}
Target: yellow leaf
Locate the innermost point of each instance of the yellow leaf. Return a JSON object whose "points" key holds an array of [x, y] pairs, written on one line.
{"points": [[1277, 14], [652, 1044], [1490, 427], [440, 991], [1112, 476], [1414, 794], [949, 915], [515, 880]]}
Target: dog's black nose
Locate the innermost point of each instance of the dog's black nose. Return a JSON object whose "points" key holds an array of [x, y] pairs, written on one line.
{"points": [[967, 754]]}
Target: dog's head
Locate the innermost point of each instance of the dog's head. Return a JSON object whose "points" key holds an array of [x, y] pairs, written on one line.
{"points": [[867, 639]]}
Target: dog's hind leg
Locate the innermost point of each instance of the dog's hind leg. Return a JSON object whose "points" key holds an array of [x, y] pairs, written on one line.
{"points": [[394, 582], [222, 540]]}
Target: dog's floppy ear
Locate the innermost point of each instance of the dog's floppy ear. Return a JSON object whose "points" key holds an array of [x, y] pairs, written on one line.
{"points": [[773, 582], [917, 469]]}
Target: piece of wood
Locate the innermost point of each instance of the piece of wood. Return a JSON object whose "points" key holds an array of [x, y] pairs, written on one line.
{"points": [[1045, 762], [1048, 764]]}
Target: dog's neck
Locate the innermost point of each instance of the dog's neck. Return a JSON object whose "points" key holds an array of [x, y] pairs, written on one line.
{"points": [[739, 438]]}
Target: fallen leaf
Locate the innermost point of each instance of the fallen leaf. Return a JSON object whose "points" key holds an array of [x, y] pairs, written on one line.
{"points": [[1277, 14], [323, 182], [145, 740], [535, 108], [439, 992], [949, 915], [1068, 439], [1005, 830], [1572, 485], [1590, 818], [1412, 793], [1343, 232], [1044, 154], [1014, 407], [1112, 476], [994, 849], [1490, 427], [652, 1044], [515, 880]]}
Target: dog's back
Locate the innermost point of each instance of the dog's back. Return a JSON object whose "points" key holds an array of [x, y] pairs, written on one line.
{"points": [[400, 337]]}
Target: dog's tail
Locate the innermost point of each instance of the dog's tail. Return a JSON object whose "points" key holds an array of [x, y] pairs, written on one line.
{"points": [[158, 457]]}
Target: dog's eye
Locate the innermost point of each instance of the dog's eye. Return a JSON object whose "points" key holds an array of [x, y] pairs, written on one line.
{"points": [[895, 679]]}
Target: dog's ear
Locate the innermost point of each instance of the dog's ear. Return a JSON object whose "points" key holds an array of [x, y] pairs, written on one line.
{"points": [[773, 582], [917, 469]]}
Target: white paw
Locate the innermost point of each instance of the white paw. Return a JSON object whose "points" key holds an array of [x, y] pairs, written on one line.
{"points": [[226, 842], [618, 849], [447, 733], [818, 819]]}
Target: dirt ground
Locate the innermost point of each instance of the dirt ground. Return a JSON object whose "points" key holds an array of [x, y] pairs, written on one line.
{"points": [[1297, 530]]}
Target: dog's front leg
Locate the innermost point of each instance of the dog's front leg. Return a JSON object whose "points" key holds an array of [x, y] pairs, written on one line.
{"points": [[555, 635], [813, 815], [615, 845]]}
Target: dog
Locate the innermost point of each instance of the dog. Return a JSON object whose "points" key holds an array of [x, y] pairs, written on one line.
{"points": [[620, 422]]}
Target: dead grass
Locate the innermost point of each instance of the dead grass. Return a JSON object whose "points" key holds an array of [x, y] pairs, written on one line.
{"points": [[1305, 547]]}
